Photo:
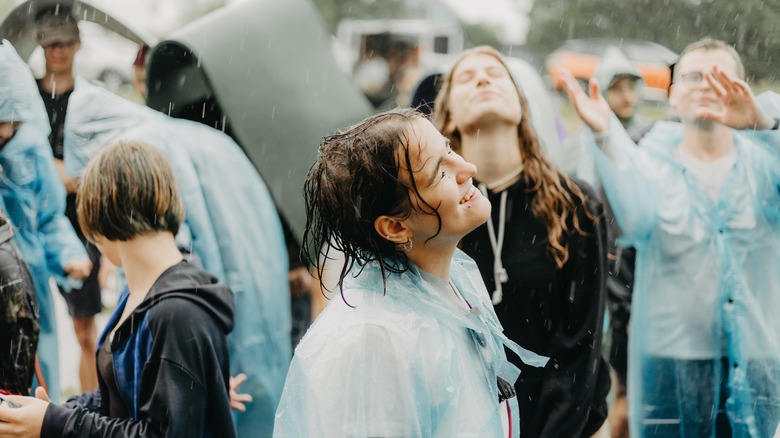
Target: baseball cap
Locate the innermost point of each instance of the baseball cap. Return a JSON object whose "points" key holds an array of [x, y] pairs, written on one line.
{"points": [[57, 28]]}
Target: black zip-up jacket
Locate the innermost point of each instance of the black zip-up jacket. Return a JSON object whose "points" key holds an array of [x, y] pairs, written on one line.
{"points": [[168, 369]]}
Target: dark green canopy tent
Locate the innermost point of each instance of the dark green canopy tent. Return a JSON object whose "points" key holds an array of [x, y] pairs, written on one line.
{"points": [[262, 71], [19, 26]]}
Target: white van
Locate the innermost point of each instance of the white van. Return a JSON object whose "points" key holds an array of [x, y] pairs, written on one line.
{"points": [[385, 57]]}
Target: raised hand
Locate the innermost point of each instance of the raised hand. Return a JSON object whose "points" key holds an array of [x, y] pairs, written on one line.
{"points": [[739, 107], [238, 401], [593, 109]]}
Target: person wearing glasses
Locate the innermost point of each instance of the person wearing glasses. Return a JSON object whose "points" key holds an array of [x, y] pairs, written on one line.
{"points": [[58, 34], [699, 201]]}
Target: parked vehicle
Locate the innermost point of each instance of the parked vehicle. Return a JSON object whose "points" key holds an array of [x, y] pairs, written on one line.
{"points": [[581, 56], [385, 57]]}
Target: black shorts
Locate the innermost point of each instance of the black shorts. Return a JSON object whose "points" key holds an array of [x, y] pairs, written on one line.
{"points": [[85, 302]]}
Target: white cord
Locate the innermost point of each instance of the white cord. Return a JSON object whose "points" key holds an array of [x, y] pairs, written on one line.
{"points": [[499, 273], [501, 181]]}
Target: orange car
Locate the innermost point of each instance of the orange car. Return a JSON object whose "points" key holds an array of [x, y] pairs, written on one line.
{"points": [[581, 57]]}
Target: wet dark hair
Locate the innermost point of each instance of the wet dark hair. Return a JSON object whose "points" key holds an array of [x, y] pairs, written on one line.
{"points": [[354, 180]]}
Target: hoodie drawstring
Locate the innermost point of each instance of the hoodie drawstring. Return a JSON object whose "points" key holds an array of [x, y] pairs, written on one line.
{"points": [[499, 273]]}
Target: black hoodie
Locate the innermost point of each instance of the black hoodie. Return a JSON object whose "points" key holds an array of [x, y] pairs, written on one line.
{"points": [[168, 369], [553, 312]]}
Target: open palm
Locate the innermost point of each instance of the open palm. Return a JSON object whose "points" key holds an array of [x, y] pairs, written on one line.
{"points": [[593, 109], [739, 109]]}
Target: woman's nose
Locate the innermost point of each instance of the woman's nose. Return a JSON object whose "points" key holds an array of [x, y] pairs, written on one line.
{"points": [[482, 77], [466, 171]]}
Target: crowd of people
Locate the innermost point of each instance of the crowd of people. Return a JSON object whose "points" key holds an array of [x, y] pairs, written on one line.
{"points": [[470, 276]]}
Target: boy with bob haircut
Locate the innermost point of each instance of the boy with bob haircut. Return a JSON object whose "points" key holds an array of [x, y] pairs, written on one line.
{"points": [[163, 364]]}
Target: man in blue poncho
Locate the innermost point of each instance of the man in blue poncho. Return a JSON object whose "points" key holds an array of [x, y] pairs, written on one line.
{"points": [[232, 226], [700, 202], [33, 198]]}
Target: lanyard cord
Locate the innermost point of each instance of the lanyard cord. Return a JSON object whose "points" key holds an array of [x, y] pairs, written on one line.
{"points": [[499, 273]]}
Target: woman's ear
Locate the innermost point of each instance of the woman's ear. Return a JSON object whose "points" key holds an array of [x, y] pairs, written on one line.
{"points": [[393, 229]]}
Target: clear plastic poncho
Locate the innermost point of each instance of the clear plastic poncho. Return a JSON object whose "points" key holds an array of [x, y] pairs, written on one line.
{"points": [[232, 221], [33, 198], [411, 362], [704, 323], [613, 66]]}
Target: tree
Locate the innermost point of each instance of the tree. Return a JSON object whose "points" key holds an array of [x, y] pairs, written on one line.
{"points": [[752, 26], [199, 8], [481, 34]]}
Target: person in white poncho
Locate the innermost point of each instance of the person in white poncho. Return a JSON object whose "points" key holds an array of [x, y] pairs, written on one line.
{"points": [[700, 202], [411, 347]]}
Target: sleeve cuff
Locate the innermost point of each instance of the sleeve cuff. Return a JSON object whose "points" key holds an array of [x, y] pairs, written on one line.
{"points": [[54, 421]]}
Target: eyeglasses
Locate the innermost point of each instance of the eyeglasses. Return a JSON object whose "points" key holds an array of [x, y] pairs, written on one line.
{"points": [[691, 78]]}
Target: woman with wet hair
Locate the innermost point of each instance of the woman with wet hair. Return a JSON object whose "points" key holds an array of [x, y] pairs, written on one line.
{"points": [[541, 255], [411, 347]]}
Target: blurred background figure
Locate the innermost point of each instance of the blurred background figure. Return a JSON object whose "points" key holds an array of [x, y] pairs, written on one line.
{"points": [[34, 199], [623, 89], [58, 35], [139, 70], [698, 200], [18, 315], [388, 70]]}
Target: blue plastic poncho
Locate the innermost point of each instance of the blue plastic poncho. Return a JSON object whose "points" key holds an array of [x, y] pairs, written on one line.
{"points": [[234, 226], [704, 323], [411, 362], [33, 198]]}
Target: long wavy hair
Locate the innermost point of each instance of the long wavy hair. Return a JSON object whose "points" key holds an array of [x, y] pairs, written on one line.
{"points": [[354, 180], [552, 204]]}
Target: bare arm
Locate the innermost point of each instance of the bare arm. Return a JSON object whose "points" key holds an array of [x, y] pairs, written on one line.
{"points": [[71, 183]]}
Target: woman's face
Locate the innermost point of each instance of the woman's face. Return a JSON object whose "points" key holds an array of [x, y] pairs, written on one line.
{"points": [[481, 93], [444, 182]]}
